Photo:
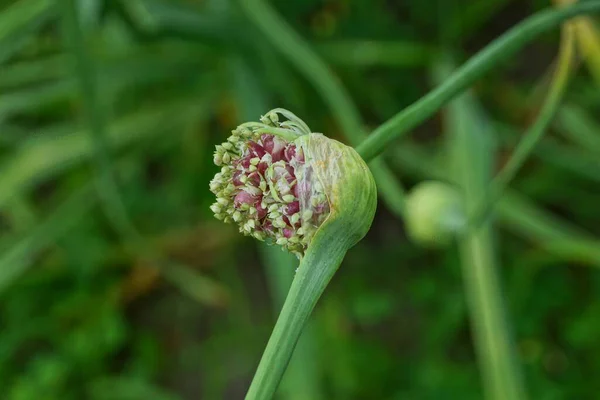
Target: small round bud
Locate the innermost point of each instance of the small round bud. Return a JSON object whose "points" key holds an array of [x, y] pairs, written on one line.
{"points": [[434, 214]]}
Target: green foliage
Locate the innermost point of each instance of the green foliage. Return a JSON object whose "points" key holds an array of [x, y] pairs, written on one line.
{"points": [[86, 312]]}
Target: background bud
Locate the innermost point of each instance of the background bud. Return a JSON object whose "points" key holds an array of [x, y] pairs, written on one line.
{"points": [[434, 213]]}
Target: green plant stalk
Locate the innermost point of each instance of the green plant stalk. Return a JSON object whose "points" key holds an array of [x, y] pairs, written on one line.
{"points": [[307, 62], [20, 256], [19, 21], [494, 349], [321, 261], [499, 50], [534, 134], [301, 380], [352, 199], [471, 152], [578, 126]]}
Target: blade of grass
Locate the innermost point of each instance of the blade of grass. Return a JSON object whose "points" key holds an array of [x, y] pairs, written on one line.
{"points": [[158, 18], [492, 337], [533, 135], [552, 152], [196, 285], [126, 387], [21, 213], [138, 66], [500, 49], [577, 125], [47, 154], [25, 72], [472, 17], [21, 255], [304, 59], [557, 236], [19, 21], [31, 99], [366, 53], [108, 190], [98, 145]]}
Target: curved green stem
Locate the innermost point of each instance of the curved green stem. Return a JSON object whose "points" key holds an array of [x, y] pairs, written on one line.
{"points": [[307, 62], [465, 76], [316, 269], [533, 135]]}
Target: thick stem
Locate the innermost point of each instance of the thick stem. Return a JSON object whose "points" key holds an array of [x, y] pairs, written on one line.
{"points": [[493, 341], [302, 379], [316, 269]]}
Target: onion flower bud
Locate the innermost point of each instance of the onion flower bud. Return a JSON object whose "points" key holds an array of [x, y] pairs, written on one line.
{"points": [[280, 182]]}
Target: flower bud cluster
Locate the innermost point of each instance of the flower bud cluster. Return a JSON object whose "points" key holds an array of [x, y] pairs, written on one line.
{"points": [[266, 185]]}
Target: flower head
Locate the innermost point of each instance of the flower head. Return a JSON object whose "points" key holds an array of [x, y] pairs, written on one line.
{"points": [[267, 184]]}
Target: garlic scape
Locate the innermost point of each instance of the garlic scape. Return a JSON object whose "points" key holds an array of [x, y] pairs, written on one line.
{"points": [[312, 195]]}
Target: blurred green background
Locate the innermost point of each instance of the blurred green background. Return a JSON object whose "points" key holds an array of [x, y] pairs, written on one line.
{"points": [[134, 290]]}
